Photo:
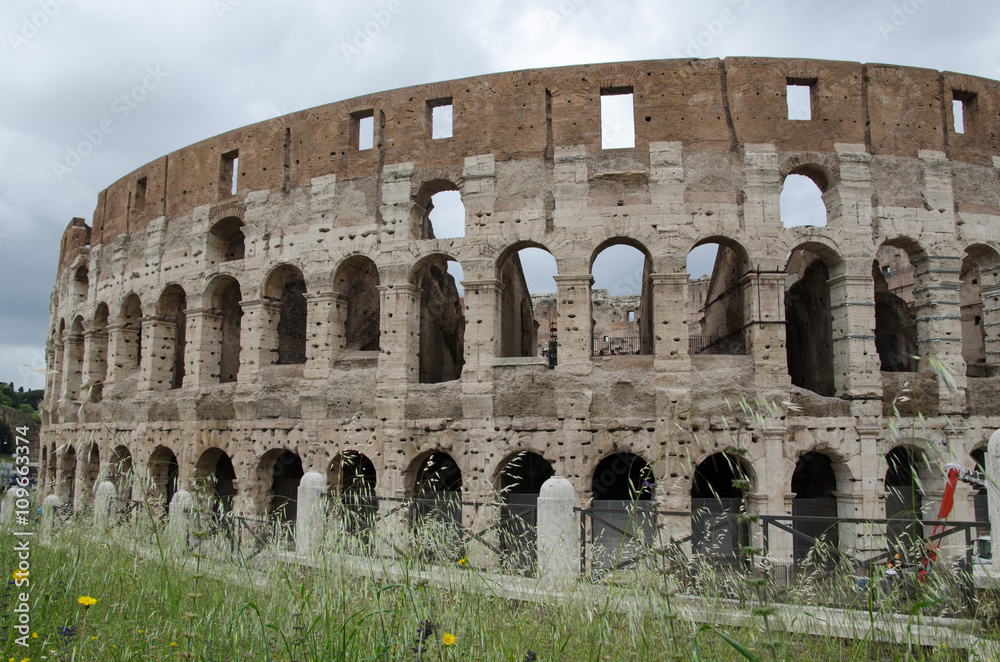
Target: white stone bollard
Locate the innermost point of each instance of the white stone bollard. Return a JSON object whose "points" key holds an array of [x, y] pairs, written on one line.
{"points": [[993, 492], [104, 502], [50, 510], [7, 508], [310, 519], [179, 526], [558, 532]]}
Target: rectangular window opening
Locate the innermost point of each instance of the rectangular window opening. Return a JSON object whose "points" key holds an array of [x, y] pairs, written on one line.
{"points": [[631, 316], [139, 201], [230, 172], [364, 129], [617, 118], [799, 94], [441, 118], [961, 107]]}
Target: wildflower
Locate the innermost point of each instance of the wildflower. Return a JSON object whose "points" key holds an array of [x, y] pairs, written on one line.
{"points": [[448, 639], [68, 631], [173, 643], [87, 601], [34, 635], [462, 561]]}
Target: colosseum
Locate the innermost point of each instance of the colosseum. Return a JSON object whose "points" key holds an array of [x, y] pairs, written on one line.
{"points": [[275, 302]]}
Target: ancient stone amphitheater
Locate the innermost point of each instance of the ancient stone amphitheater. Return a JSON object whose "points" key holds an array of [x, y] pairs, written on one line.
{"points": [[273, 301]]}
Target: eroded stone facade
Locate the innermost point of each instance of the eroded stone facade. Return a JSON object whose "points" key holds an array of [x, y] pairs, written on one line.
{"points": [[309, 317]]}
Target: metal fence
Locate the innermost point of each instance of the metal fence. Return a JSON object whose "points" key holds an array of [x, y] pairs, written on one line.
{"points": [[733, 344], [619, 346]]}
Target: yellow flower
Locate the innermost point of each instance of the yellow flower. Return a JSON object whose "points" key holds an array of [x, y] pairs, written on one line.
{"points": [[34, 635], [173, 643], [87, 601], [448, 639], [462, 561], [93, 638]]}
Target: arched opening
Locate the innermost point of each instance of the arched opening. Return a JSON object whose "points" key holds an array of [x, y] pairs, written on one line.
{"points": [[52, 470], [357, 283], [809, 323], [121, 474], [287, 287], [715, 297], [351, 477], [903, 502], [172, 309], [624, 517], [217, 477], [286, 474], [439, 212], [718, 491], [130, 327], [43, 463], [980, 502], [226, 297], [67, 479], [226, 241], [442, 322], [73, 350], [91, 471], [519, 483], [895, 317], [801, 202], [622, 300], [527, 283], [163, 472], [98, 353], [437, 503], [81, 284], [980, 266], [814, 484]]}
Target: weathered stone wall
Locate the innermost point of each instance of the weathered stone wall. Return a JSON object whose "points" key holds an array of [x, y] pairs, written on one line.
{"points": [[712, 149]]}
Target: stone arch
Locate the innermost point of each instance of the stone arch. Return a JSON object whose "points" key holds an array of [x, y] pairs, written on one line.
{"points": [[520, 334], [129, 356], [718, 493], [163, 475], [809, 318], [441, 349], [67, 468], [279, 472], [121, 473], [90, 471], [904, 497], [420, 211], [226, 241], [631, 332], [814, 482], [99, 350], [81, 285], [73, 348], [896, 332], [224, 295], [356, 281], [215, 475], [437, 490], [622, 489], [352, 480], [720, 318], [822, 169], [979, 299], [171, 308], [286, 287]]}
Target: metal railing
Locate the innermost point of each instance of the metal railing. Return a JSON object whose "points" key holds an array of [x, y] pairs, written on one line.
{"points": [[622, 346], [733, 344]]}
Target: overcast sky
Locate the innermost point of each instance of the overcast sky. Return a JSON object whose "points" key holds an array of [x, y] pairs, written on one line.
{"points": [[213, 65]]}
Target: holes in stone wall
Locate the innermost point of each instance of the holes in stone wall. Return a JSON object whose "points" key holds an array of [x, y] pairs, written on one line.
{"points": [[446, 215], [617, 118]]}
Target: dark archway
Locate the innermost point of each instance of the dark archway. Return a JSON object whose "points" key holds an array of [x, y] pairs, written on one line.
{"points": [[895, 316], [67, 479], [814, 484], [357, 281], [622, 488], [226, 296], [120, 473], [131, 329], [716, 267], [442, 323], [519, 482], [809, 324], [172, 307], [217, 476], [718, 491], [287, 287], [226, 241], [351, 478], [286, 474], [903, 502], [163, 471]]}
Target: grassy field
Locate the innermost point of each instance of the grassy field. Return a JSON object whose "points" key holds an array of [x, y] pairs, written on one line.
{"points": [[151, 607]]}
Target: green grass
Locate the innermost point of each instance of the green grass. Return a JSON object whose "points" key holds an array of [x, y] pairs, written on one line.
{"points": [[200, 609]]}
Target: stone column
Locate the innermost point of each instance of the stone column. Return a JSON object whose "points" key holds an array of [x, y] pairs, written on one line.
{"points": [[158, 341], [989, 279], [310, 516], [95, 362], [937, 283], [258, 337], [558, 533], [762, 192], [325, 315], [181, 519], [52, 367], [104, 504], [400, 342], [856, 367], [71, 367], [123, 351], [7, 508], [201, 357], [482, 340], [849, 204], [574, 326], [50, 510], [764, 315], [869, 493]]}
